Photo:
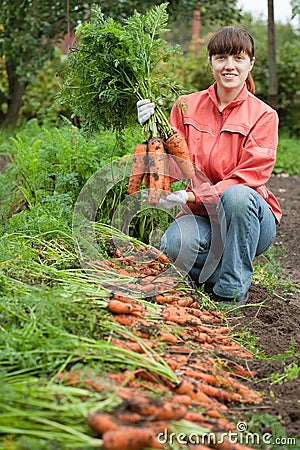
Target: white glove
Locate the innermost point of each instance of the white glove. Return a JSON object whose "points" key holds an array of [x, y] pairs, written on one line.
{"points": [[177, 198], [145, 109]]}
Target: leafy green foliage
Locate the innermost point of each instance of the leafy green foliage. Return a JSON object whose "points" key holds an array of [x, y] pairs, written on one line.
{"points": [[115, 65], [28, 32], [276, 432], [218, 10], [290, 373], [287, 160]]}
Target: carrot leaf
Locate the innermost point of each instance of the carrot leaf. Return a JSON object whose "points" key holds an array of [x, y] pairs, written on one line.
{"points": [[115, 64]]}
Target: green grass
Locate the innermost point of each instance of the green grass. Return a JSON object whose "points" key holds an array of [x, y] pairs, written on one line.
{"points": [[287, 159]]}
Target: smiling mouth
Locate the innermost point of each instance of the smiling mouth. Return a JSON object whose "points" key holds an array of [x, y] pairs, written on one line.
{"points": [[229, 75]]}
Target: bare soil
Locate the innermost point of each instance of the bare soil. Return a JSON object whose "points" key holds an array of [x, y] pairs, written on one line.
{"points": [[276, 323]]}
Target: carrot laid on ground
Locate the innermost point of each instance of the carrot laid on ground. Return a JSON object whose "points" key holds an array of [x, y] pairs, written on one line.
{"points": [[185, 301], [118, 307], [130, 438], [219, 393], [138, 169], [101, 422], [194, 416], [166, 298], [182, 398], [197, 395], [168, 337], [177, 147], [122, 297], [178, 315], [156, 167], [129, 417], [158, 409], [161, 256]]}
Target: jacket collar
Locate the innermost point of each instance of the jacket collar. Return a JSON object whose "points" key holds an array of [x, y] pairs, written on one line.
{"points": [[243, 95]]}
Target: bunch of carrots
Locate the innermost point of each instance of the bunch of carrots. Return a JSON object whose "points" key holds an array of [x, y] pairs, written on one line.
{"points": [[151, 164], [196, 344]]}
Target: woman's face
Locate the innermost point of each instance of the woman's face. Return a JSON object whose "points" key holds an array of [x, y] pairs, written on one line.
{"points": [[231, 71]]}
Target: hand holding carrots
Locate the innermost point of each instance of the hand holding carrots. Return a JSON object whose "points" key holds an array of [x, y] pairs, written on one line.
{"points": [[177, 198], [145, 109]]}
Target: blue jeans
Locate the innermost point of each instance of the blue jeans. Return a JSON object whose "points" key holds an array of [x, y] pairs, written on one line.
{"points": [[221, 252]]}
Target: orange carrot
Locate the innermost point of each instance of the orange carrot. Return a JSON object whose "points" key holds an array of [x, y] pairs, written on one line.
{"points": [[213, 413], [193, 416], [177, 147], [117, 307], [139, 168], [189, 388], [168, 337], [197, 395], [219, 393], [177, 315], [166, 298], [240, 371], [128, 417], [198, 375], [130, 438], [129, 345], [182, 398], [101, 422], [122, 297], [185, 301], [124, 319], [156, 167], [158, 409], [161, 256]]}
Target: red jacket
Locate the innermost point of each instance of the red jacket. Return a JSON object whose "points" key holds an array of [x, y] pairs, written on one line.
{"points": [[235, 146]]}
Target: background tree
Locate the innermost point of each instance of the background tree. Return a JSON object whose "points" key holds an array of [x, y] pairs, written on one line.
{"points": [[273, 86], [29, 29], [295, 8]]}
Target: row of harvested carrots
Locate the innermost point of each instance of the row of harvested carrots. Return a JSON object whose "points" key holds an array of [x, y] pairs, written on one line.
{"points": [[151, 163], [196, 344]]}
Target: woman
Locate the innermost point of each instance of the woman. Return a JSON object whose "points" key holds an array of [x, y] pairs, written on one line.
{"points": [[232, 138]]}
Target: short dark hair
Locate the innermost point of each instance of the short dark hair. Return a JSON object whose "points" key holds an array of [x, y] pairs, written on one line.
{"points": [[231, 40]]}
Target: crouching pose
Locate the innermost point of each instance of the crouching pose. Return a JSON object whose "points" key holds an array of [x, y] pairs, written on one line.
{"points": [[232, 139]]}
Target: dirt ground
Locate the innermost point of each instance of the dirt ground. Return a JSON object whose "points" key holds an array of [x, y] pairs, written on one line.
{"points": [[277, 322]]}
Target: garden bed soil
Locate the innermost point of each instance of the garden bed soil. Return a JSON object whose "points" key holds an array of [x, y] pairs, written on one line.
{"points": [[276, 323]]}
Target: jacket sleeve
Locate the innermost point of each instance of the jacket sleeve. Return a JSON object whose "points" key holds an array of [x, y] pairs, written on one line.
{"points": [[176, 116], [257, 160]]}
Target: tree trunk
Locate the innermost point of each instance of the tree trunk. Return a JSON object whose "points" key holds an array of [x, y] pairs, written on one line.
{"points": [[273, 86], [16, 92], [196, 30]]}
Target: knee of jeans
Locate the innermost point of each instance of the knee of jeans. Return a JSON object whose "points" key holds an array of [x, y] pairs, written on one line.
{"points": [[170, 243], [236, 199]]}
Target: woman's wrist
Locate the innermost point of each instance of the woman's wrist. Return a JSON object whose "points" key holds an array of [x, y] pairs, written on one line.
{"points": [[191, 197]]}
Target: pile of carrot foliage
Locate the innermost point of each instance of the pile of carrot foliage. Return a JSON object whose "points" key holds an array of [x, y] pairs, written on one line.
{"points": [[115, 64]]}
